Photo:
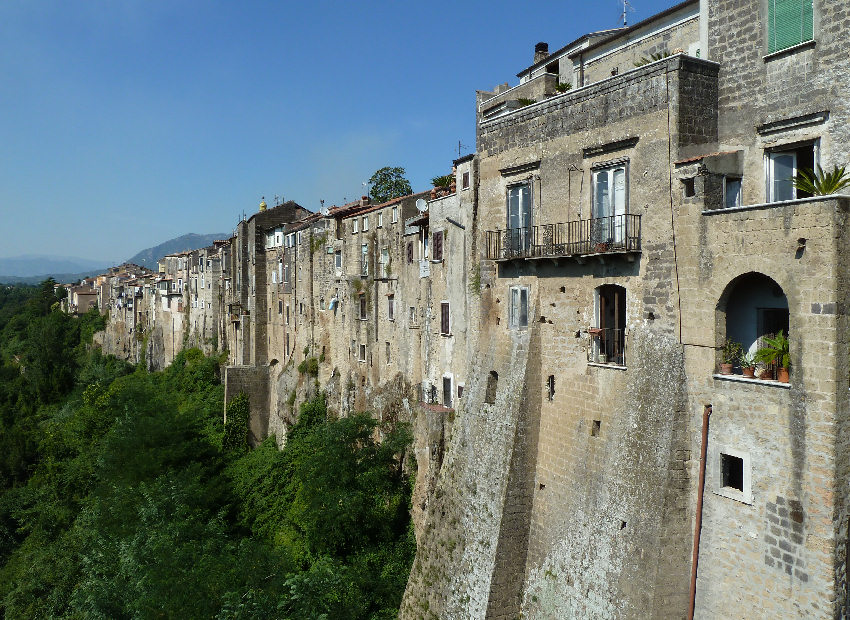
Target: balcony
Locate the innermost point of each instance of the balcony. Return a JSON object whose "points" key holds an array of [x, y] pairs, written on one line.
{"points": [[616, 234], [607, 346]]}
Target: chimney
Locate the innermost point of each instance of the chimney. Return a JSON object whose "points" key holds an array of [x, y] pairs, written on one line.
{"points": [[364, 200], [541, 51]]}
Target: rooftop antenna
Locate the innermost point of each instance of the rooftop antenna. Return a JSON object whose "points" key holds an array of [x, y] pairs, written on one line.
{"points": [[459, 147], [323, 210], [627, 6]]}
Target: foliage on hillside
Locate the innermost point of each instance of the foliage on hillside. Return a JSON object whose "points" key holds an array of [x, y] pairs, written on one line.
{"points": [[120, 496]]}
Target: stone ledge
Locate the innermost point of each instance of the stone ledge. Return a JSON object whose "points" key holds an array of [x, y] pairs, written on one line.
{"points": [[740, 379]]}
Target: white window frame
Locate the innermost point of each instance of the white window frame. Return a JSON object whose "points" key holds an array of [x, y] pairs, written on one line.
{"points": [[338, 260], [361, 357], [515, 295], [355, 226], [615, 207], [745, 496], [770, 157], [365, 223], [380, 219], [391, 307], [395, 215]]}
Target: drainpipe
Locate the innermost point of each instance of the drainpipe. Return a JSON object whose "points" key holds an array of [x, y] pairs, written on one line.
{"points": [[698, 525]]}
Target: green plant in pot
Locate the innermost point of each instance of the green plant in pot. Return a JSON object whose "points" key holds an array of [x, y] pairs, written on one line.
{"points": [[732, 352], [748, 365], [776, 353]]}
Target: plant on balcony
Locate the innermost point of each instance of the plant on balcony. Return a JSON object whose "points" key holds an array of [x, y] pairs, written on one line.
{"points": [[822, 183], [652, 58], [563, 87], [776, 352], [732, 352], [522, 101], [443, 182], [748, 365]]}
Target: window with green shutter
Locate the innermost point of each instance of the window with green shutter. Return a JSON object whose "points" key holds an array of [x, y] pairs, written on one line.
{"points": [[789, 23]]}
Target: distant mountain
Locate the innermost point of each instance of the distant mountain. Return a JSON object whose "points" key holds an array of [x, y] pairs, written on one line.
{"points": [[42, 266], [148, 258], [62, 278]]}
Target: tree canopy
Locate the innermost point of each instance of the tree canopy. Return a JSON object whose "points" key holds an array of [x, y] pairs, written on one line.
{"points": [[388, 183]]}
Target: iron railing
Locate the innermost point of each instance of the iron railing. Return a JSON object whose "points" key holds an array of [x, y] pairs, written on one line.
{"points": [[601, 235], [607, 346]]}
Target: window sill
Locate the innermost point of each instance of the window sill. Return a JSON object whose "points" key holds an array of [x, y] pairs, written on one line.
{"points": [[740, 379], [735, 494], [446, 335], [789, 50], [436, 260], [611, 366]]}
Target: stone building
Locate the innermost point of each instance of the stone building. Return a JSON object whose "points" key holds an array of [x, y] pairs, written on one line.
{"points": [[551, 324]]}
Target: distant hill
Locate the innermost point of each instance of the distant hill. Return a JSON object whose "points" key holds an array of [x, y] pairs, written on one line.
{"points": [[148, 258], [33, 268]]}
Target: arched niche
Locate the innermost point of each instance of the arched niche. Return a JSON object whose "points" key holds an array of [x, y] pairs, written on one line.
{"points": [[753, 305]]}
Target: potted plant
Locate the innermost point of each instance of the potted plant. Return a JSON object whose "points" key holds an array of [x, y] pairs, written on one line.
{"points": [[748, 365], [776, 352], [732, 352]]}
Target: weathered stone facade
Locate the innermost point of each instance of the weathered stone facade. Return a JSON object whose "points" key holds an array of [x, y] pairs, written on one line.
{"points": [[551, 326]]}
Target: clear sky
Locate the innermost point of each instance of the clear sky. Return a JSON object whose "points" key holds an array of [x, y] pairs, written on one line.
{"points": [[125, 123]]}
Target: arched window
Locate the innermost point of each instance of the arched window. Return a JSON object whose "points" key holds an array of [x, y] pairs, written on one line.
{"points": [[752, 306]]}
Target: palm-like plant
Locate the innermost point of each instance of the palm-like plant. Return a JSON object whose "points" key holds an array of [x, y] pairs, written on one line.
{"points": [[443, 181], [776, 351], [822, 183]]}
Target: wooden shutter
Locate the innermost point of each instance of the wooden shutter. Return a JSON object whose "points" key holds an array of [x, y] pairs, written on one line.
{"points": [[438, 245], [789, 23], [444, 317]]}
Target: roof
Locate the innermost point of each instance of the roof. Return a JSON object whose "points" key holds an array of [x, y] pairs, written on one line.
{"points": [[585, 37], [464, 159], [369, 208], [625, 31]]}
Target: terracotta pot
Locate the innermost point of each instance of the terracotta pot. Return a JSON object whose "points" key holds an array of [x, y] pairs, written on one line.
{"points": [[782, 375], [725, 369], [749, 372], [766, 375]]}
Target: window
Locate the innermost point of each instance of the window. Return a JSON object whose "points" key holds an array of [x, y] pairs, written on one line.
{"points": [[689, 187], [734, 475], [518, 318], [364, 259], [365, 223], [445, 318], [287, 314], [338, 260], [385, 263], [354, 225], [460, 390], [380, 219], [362, 307], [410, 252], [391, 307], [610, 201], [447, 391], [387, 344], [789, 23], [395, 214], [492, 387], [437, 242], [782, 166], [731, 192], [279, 307], [411, 316], [519, 217], [286, 273], [550, 387], [609, 335], [274, 277], [464, 182], [280, 269], [362, 357]]}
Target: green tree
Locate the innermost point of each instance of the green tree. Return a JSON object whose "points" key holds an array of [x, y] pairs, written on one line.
{"points": [[388, 183]]}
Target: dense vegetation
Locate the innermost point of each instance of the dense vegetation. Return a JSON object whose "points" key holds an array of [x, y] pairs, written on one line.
{"points": [[123, 494]]}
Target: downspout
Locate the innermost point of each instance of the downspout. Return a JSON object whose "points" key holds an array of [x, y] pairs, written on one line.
{"points": [[698, 525]]}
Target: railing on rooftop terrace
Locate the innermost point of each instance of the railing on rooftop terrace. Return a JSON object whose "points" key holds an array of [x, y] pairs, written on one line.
{"points": [[601, 235]]}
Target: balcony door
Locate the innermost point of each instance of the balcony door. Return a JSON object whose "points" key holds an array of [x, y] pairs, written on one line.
{"points": [[519, 216], [609, 204]]}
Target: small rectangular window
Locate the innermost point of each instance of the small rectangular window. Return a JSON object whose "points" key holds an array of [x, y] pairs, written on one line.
{"points": [[411, 315], [781, 168], [365, 223], [731, 192], [518, 307], [732, 472], [395, 214], [387, 344], [437, 250], [447, 391], [464, 183], [338, 260], [550, 387], [409, 252], [380, 219], [363, 307], [460, 390], [391, 307], [279, 307], [354, 226], [362, 357], [689, 187], [445, 317]]}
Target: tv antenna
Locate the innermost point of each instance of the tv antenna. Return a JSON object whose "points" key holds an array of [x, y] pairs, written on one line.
{"points": [[627, 7], [459, 147], [323, 210]]}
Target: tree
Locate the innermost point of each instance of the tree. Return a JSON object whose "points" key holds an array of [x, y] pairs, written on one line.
{"points": [[388, 183]]}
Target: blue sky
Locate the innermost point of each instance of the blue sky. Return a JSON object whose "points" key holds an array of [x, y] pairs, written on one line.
{"points": [[126, 123]]}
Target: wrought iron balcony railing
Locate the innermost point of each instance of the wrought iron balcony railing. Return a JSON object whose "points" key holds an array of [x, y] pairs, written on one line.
{"points": [[601, 235], [607, 346]]}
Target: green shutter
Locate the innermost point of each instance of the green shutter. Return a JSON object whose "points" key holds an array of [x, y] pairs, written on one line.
{"points": [[789, 23]]}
